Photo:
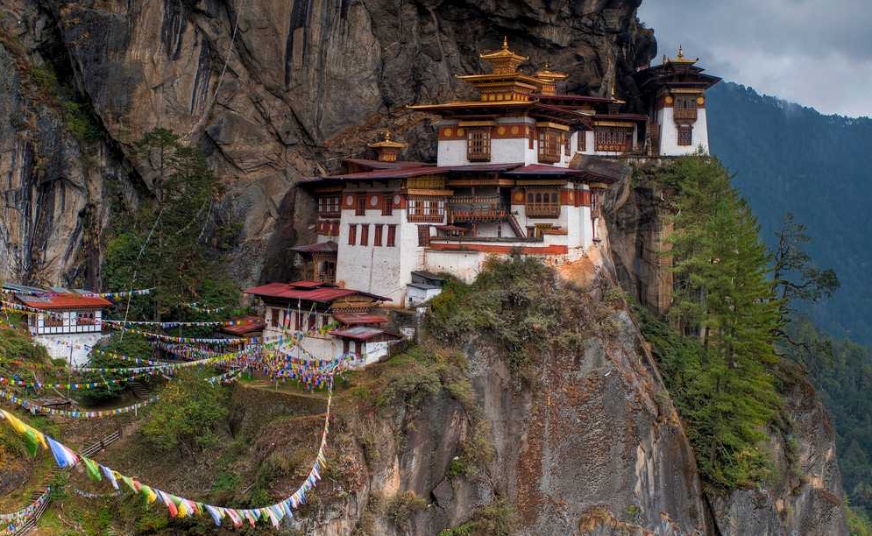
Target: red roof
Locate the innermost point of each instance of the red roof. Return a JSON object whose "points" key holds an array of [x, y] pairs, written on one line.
{"points": [[351, 319], [318, 247], [542, 169], [376, 164], [64, 301], [313, 291], [361, 333], [399, 173], [246, 325]]}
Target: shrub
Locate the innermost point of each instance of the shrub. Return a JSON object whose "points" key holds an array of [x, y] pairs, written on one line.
{"points": [[403, 505], [188, 415]]}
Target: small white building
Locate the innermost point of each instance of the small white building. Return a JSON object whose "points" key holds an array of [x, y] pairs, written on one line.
{"points": [[68, 323], [424, 287], [328, 321]]}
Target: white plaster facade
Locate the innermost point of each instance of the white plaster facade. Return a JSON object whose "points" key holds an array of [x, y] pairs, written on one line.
{"points": [[72, 348], [669, 133], [66, 322]]}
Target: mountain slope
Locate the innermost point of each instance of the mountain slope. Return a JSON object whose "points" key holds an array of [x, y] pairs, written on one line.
{"points": [[789, 158]]}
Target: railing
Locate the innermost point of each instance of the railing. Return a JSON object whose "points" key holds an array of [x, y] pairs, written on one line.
{"points": [[478, 213], [542, 211], [102, 444], [426, 218], [684, 114]]}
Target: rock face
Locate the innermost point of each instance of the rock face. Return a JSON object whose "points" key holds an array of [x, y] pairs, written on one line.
{"points": [[272, 91], [803, 495]]}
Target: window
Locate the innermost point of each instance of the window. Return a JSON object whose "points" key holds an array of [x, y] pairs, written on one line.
{"points": [[567, 144], [313, 322], [423, 236], [328, 206], [360, 205], [549, 145], [387, 206], [543, 203], [611, 139], [582, 141], [685, 135], [274, 321], [364, 235], [392, 236], [352, 234], [685, 107], [478, 145], [85, 319], [377, 239], [53, 320], [426, 209]]}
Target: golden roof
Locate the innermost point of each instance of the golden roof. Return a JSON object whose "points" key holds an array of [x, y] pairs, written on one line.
{"points": [[550, 76], [504, 60], [387, 143], [680, 58]]}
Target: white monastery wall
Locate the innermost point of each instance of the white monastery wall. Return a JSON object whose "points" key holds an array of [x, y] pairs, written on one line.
{"points": [[669, 134]]}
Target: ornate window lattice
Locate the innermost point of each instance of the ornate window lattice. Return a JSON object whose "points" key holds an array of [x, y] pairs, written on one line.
{"points": [[614, 139], [543, 203], [685, 135], [549, 145], [685, 108], [478, 145]]}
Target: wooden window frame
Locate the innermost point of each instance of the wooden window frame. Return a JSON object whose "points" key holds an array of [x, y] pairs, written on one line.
{"points": [[549, 150], [274, 317], [567, 144], [364, 234], [328, 206], [542, 203], [685, 136], [423, 236], [388, 205], [360, 205], [685, 108], [478, 145], [612, 139], [582, 141], [421, 209], [377, 237], [352, 234], [391, 240]]}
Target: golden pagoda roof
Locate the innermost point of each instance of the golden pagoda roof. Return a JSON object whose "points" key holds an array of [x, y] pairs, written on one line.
{"points": [[550, 76], [680, 59], [387, 143], [504, 61]]}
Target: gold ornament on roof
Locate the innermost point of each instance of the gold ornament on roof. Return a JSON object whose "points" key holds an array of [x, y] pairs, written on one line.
{"points": [[387, 142], [504, 61], [680, 59]]}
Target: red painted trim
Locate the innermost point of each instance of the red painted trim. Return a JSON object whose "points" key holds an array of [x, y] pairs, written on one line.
{"points": [[491, 248]]}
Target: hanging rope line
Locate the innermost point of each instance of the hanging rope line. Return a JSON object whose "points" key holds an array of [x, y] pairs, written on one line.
{"points": [[16, 520], [177, 506]]}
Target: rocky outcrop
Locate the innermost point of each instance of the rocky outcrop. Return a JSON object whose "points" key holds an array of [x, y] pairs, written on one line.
{"points": [[803, 493], [272, 91]]}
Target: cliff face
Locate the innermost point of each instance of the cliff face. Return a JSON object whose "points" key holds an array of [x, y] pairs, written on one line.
{"points": [[803, 494], [272, 91]]}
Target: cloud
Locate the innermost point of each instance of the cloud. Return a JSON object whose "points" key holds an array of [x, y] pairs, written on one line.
{"points": [[815, 52]]}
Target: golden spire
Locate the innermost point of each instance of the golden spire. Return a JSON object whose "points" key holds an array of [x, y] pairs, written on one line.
{"points": [[387, 149], [504, 61], [680, 58]]}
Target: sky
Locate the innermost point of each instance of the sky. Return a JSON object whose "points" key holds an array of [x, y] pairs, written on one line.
{"points": [[817, 53]]}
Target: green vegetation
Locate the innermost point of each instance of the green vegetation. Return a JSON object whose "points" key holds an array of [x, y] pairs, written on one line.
{"points": [[517, 305], [495, 519], [718, 361], [402, 506], [187, 416], [169, 244], [129, 344]]}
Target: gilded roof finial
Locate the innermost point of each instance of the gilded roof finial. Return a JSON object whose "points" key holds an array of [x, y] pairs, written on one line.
{"points": [[505, 42], [387, 135], [680, 52]]}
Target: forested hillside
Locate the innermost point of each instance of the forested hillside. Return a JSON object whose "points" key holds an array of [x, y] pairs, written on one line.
{"points": [[793, 159]]}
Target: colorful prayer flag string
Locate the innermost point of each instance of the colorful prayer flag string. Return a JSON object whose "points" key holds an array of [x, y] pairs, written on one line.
{"points": [[180, 506]]}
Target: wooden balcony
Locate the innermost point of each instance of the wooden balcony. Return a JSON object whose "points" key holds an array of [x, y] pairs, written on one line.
{"points": [[684, 114]]}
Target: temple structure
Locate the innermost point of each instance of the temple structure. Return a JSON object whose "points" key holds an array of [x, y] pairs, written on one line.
{"points": [[333, 321], [66, 322], [518, 171]]}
